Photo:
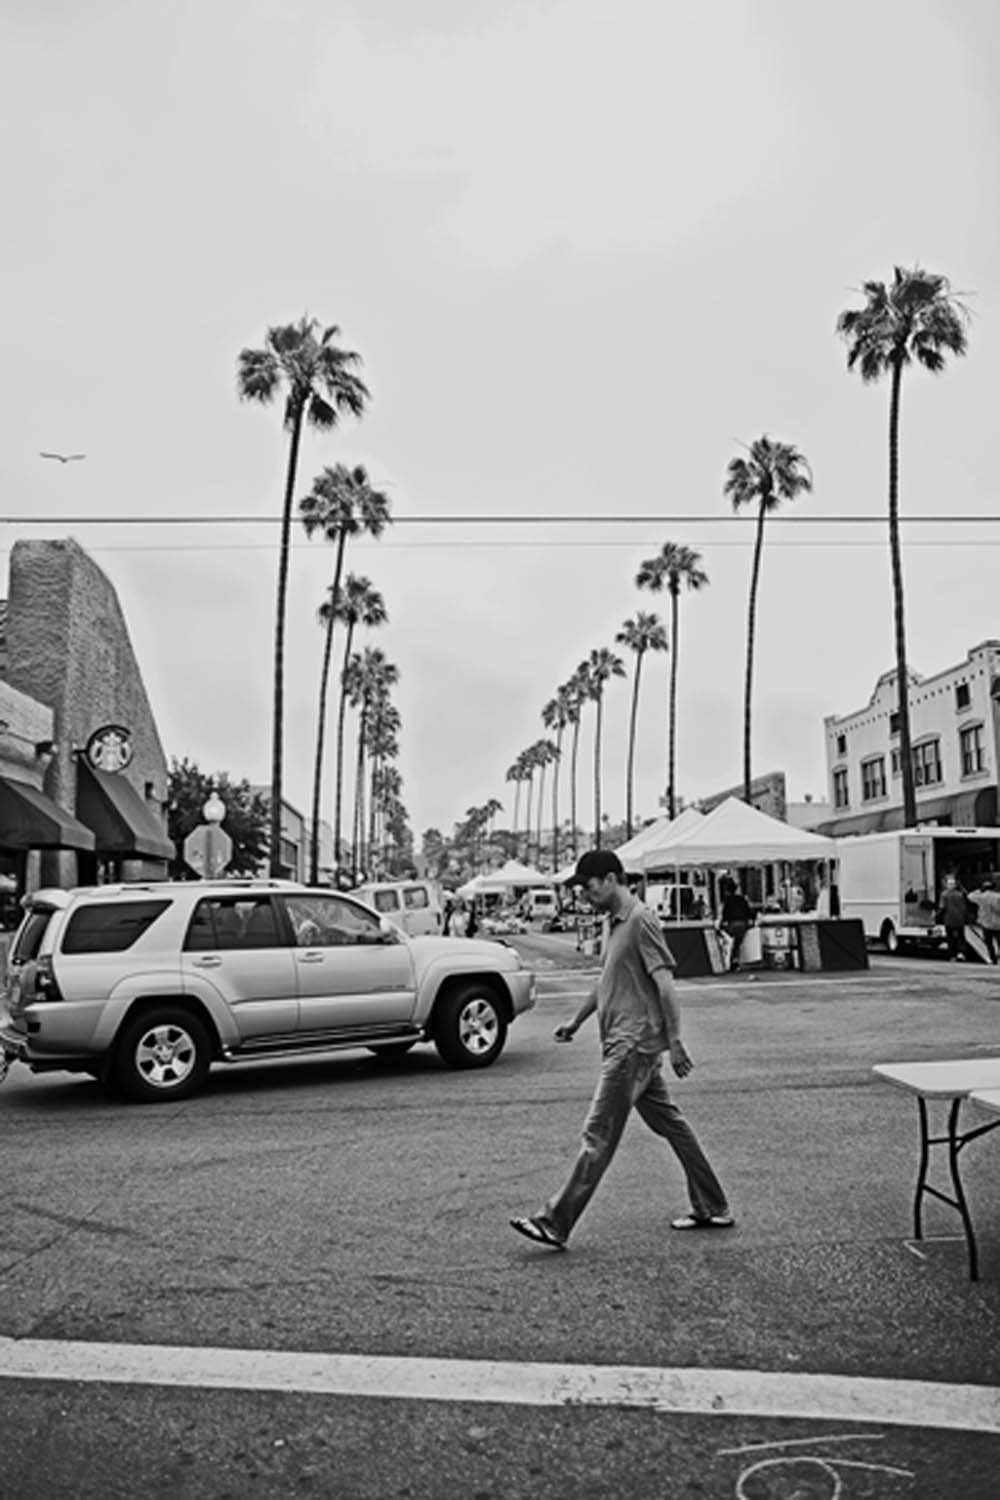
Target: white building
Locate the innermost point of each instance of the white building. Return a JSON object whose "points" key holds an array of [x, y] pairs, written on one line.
{"points": [[955, 741]]}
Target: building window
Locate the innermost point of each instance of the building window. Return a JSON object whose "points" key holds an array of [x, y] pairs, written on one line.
{"points": [[962, 695], [840, 788], [895, 765], [841, 744], [973, 753], [894, 722], [927, 763], [873, 778]]}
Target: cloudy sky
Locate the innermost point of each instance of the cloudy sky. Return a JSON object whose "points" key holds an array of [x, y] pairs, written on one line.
{"points": [[586, 251]]}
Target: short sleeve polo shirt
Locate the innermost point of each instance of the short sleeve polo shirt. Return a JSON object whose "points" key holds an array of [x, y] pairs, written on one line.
{"points": [[628, 1002]]}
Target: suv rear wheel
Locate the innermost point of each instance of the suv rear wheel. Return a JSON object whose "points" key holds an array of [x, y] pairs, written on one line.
{"points": [[469, 1029], [162, 1054]]}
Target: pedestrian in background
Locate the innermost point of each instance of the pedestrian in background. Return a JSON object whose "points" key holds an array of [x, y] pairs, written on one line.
{"points": [[638, 1015], [954, 914], [735, 917], [987, 900]]}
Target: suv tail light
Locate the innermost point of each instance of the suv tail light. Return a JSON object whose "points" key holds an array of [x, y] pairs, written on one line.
{"points": [[46, 987]]}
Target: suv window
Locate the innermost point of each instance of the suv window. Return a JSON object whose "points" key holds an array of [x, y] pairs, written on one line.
{"points": [[109, 927], [233, 922], [30, 937], [329, 922], [415, 897], [385, 900]]}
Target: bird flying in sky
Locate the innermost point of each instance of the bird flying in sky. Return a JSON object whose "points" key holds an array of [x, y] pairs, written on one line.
{"points": [[63, 458]]}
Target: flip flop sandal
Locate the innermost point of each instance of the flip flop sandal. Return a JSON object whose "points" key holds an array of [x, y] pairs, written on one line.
{"points": [[715, 1221], [538, 1233]]}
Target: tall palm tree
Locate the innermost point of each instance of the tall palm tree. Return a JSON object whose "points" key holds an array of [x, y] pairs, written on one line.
{"points": [[578, 693], [320, 385], [673, 566], [602, 665], [357, 603], [514, 774], [556, 715], [371, 677], [340, 504], [773, 472], [644, 633], [916, 318], [544, 753]]}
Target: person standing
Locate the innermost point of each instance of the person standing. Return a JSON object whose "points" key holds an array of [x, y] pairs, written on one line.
{"points": [[638, 1015], [954, 910], [735, 918], [987, 900]]}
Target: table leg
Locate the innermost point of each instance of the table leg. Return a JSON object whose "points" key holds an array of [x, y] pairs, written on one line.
{"points": [[955, 1144], [918, 1232]]}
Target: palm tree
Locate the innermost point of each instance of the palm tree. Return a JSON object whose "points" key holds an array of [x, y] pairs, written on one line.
{"points": [[672, 566], [644, 633], [357, 603], [320, 386], [602, 665], [544, 753], [578, 693], [514, 773], [772, 473], [371, 675], [556, 714], [340, 504], [919, 319]]}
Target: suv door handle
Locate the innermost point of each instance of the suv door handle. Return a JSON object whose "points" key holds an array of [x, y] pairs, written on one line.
{"points": [[311, 958], [210, 961]]}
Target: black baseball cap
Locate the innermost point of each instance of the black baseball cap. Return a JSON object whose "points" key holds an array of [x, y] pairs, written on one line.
{"points": [[595, 865]]}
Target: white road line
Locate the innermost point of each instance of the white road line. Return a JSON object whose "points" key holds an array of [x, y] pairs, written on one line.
{"points": [[760, 1393]]}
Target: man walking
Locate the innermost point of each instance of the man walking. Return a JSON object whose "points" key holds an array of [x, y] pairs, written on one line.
{"points": [[639, 1019]]}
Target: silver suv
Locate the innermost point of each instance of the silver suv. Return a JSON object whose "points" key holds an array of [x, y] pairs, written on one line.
{"points": [[145, 986]]}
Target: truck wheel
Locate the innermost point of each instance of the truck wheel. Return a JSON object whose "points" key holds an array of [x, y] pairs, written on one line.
{"points": [[161, 1055], [469, 1030], [890, 938]]}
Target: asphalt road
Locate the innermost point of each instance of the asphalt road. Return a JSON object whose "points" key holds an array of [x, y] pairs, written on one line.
{"points": [[354, 1207]]}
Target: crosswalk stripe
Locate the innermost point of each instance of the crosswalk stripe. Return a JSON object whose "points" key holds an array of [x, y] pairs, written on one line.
{"points": [[759, 1393]]}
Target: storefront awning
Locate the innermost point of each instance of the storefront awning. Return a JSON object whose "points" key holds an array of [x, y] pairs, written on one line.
{"points": [[30, 820], [121, 821], [962, 810]]}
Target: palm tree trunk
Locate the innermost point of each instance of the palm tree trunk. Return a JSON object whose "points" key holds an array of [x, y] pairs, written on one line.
{"points": [[630, 769], [359, 790], [541, 803], [597, 773], [278, 716], [672, 726], [751, 632], [339, 771], [555, 800], [527, 817], [324, 683], [517, 808], [902, 677], [572, 779]]}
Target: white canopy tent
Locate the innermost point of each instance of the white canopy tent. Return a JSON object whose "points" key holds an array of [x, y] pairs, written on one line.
{"points": [[659, 835], [509, 877], [734, 833]]}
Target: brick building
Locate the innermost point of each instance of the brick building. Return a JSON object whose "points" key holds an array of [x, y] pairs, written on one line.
{"points": [[76, 806]]}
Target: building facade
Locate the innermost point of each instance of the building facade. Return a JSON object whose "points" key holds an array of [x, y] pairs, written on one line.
{"points": [[83, 776], [955, 738]]}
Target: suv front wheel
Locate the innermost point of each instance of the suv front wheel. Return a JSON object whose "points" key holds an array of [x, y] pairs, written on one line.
{"points": [[162, 1054], [470, 1030]]}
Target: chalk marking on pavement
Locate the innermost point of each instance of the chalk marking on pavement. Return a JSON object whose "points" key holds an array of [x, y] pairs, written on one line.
{"points": [[836, 1437], [762, 1393]]}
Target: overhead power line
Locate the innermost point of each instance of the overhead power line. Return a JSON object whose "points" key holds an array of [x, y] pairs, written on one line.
{"points": [[515, 520]]}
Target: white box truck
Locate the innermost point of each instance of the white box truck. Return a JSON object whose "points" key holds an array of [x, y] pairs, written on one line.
{"points": [[892, 881]]}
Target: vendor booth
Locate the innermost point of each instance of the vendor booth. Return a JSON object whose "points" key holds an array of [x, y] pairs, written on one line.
{"points": [[784, 873]]}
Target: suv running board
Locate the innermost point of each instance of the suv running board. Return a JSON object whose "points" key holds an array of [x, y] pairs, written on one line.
{"points": [[338, 1043]]}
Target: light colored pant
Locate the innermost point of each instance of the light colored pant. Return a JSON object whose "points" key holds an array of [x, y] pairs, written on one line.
{"points": [[632, 1079]]}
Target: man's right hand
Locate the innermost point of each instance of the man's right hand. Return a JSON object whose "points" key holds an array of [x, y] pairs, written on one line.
{"points": [[565, 1033]]}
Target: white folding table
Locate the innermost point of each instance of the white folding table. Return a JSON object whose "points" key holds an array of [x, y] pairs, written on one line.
{"points": [[975, 1077]]}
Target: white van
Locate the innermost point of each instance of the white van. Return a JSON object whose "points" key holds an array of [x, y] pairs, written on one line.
{"points": [[413, 905], [540, 904]]}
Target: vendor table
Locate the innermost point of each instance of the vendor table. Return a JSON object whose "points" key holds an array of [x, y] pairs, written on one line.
{"points": [[952, 1081]]}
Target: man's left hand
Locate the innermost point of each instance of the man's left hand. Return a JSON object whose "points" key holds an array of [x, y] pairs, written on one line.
{"points": [[680, 1061]]}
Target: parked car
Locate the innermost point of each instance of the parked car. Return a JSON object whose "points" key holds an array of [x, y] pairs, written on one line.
{"points": [[414, 905], [145, 986]]}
